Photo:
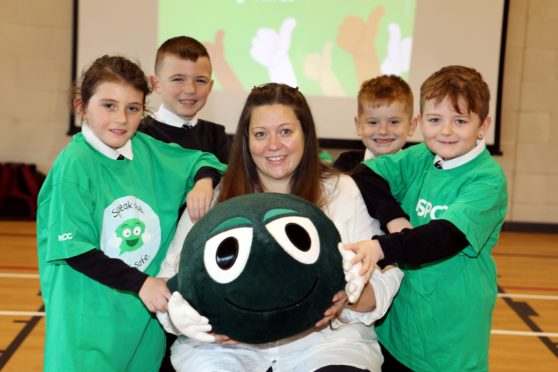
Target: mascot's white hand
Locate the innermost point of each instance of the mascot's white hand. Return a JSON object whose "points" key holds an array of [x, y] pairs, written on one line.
{"points": [[187, 320], [355, 282]]}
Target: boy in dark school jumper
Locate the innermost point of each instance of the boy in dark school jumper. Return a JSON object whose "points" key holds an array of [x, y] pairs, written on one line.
{"points": [[183, 79]]}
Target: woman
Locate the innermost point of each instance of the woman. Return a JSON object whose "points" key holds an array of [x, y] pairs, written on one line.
{"points": [[276, 150]]}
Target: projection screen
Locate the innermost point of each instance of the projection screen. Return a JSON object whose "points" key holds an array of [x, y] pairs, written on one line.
{"points": [[326, 48]]}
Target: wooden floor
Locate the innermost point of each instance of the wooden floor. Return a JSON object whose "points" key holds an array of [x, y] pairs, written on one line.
{"points": [[524, 335]]}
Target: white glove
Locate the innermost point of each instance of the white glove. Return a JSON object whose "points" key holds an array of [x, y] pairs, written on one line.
{"points": [[355, 282], [187, 320]]}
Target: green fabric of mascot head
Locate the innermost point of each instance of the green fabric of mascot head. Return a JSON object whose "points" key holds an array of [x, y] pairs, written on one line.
{"points": [[261, 267]]}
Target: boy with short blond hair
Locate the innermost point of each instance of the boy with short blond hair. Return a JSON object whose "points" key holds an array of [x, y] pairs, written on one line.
{"points": [[456, 196], [384, 119], [183, 79]]}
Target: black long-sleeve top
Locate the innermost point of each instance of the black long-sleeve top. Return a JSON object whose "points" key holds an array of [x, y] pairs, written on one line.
{"points": [[349, 160], [436, 240], [204, 136], [112, 272]]}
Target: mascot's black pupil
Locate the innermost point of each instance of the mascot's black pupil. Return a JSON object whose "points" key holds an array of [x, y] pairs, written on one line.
{"points": [[227, 252], [298, 236]]}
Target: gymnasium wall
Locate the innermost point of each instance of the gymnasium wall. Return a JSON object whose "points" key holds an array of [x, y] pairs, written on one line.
{"points": [[35, 60]]}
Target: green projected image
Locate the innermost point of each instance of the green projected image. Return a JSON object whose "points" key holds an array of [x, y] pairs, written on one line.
{"points": [[327, 48]]}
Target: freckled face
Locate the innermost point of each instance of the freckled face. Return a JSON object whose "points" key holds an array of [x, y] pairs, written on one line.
{"points": [[448, 133], [114, 112], [276, 143], [384, 129]]}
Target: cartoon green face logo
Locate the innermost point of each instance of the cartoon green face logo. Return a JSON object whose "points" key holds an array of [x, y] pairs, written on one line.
{"points": [[130, 231], [261, 267]]}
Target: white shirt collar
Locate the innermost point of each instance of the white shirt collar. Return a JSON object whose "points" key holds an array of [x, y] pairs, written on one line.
{"points": [[368, 154], [103, 148], [456, 162], [164, 115]]}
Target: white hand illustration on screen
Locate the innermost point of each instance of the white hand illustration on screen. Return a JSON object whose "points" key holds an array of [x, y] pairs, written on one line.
{"points": [[398, 59], [271, 49], [317, 66]]}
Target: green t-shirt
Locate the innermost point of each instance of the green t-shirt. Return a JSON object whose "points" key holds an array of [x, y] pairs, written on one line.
{"points": [[129, 209], [441, 318]]}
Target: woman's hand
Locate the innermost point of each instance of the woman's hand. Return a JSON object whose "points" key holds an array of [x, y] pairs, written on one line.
{"points": [[224, 340], [339, 301]]}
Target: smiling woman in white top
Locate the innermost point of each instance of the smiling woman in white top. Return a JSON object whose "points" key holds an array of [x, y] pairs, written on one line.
{"points": [[276, 150]]}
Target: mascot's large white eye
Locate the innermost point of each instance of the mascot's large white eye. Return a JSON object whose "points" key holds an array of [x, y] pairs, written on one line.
{"points": [[226, 254], [297, 236]]}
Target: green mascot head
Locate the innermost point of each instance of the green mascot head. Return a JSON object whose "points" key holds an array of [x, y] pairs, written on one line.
{"points": [[261, 267]]}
